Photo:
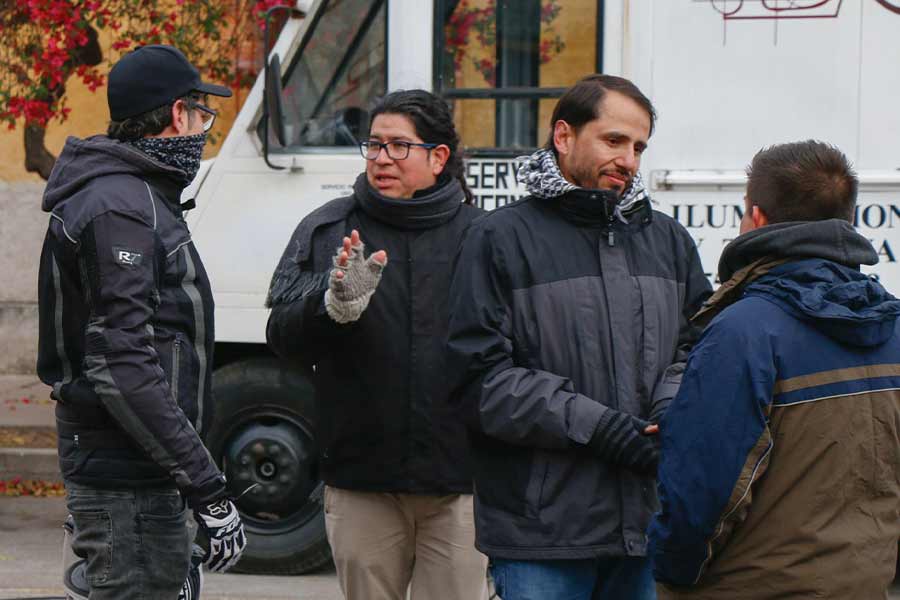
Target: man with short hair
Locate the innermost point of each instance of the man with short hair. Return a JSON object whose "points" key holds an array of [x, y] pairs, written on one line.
{"points": [[126, 337], [780, 471], [569, 316]]}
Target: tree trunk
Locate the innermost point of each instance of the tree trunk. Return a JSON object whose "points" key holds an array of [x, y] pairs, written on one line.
{"points": [[37, 158]]}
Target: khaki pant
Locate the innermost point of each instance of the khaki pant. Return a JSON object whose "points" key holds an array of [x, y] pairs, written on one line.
{"points": [[385, 543]]}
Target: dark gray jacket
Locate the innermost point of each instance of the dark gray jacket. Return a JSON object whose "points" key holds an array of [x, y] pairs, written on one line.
{"points": [[126, 323], [558, 313]]}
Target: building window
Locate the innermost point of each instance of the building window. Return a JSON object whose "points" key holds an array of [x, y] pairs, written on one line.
{"points": [[503, 64]]}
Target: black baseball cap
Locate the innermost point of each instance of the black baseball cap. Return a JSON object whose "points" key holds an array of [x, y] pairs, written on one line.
{"points": [[153, 76]]}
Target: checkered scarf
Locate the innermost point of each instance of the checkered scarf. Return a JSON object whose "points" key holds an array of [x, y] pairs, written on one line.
{"points": [[540, 174]]}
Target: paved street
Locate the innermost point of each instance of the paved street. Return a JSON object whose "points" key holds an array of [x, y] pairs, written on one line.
{"points": [[31, 558], [31, 561]]}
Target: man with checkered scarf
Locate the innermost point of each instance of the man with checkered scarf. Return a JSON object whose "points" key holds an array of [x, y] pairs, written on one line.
{"points": [[569, 331]]}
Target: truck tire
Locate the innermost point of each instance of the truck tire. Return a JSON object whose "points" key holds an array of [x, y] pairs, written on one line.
{"points": [[262, 439]]}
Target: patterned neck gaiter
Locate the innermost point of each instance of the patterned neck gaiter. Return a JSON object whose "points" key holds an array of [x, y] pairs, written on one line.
{"points": [[182, 152], [541, 176]]}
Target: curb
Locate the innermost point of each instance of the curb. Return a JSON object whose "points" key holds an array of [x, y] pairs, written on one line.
{"points": [[29, 463]]}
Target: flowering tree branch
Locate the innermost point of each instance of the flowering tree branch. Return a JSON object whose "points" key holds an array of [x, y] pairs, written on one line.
{"points": [[45, 42]]}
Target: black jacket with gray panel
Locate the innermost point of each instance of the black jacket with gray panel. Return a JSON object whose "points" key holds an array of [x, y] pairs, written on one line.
{"points": [[560, 311], [126, 323]]}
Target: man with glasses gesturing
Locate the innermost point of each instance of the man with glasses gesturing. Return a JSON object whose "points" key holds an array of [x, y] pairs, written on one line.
{"points": [[398, 495], [126, 339]]}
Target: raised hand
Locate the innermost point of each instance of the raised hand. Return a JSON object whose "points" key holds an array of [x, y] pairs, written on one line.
{"points": [[353, 280]]}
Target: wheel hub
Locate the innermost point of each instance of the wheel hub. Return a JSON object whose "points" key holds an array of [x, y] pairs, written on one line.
{"points": [[272, 461]]}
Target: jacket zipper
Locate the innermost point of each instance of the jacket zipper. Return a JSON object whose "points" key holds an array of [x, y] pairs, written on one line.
{"points": [[176, 361], [409, 378]]}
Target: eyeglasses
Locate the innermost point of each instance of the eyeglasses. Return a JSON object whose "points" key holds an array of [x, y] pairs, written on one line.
{"points": [[395, 150], [209, 116]]}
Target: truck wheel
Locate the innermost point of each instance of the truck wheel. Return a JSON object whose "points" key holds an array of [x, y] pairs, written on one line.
{"points": [[262, 438]]}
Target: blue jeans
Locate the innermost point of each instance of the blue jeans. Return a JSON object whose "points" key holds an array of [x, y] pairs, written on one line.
{"points": [[136, 541], [628, 578]]}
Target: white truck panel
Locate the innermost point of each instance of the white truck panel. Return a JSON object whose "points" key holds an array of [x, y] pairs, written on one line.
{"points": [[723, 88], [410, 40], [726, 88], [723, 96]]}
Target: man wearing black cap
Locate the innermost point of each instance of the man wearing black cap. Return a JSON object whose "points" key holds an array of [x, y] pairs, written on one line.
{"points": [[126, 336]]}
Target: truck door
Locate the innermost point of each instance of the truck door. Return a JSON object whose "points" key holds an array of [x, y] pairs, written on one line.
{"points": [[334, 66]]}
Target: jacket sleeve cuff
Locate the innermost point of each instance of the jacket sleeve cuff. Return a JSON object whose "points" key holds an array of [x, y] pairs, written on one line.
{"points": [[600, 439], [674, 569], [209, 491]]}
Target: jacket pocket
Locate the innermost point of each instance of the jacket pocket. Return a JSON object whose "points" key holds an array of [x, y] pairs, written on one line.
{"points": [[503, 476], [175, 358]]}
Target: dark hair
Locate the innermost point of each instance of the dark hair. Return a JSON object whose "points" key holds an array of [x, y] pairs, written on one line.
{"points": [[802, 181], [581, 102], [433, 123], [151, 122]]}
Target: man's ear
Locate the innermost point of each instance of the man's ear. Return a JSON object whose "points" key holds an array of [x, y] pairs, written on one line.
{"points": [[180, 121], [563, 137], [759, 218], [181, 117], [439, 157]]}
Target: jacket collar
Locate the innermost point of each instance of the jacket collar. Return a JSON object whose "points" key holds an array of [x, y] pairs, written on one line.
{"points": [[832, 239], [754, 254], [732, 290], [598, 208]]}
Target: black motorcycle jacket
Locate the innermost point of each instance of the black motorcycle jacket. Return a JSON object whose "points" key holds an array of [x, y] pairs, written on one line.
{"points": [[126, 323]]}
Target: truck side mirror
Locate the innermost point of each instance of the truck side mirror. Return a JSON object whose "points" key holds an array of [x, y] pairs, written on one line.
{"points": [[274, 102], [273, 106]]}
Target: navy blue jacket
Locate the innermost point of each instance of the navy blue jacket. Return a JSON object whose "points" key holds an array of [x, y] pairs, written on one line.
{"points": [[780, 469]]}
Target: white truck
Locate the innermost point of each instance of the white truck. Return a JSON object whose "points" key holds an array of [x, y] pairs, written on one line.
{"points": [[727, 77]]}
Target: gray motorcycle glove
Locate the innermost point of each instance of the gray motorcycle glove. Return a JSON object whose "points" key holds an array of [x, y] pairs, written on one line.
{"points": [[620, 439], [348, 296]]}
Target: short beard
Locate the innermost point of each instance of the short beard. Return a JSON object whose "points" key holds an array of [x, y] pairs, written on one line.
{"points": [[580, 176]]}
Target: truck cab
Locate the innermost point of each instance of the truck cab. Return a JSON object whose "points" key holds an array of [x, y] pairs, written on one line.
{"points": [[727, 78]]}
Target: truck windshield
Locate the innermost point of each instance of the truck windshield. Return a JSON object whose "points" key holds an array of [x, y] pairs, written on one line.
{"points": [[340, 69], [503, 63]]}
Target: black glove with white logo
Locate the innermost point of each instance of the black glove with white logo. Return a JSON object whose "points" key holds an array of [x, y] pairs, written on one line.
{"points": [[620, 439], [221, 523]]}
